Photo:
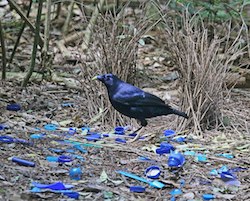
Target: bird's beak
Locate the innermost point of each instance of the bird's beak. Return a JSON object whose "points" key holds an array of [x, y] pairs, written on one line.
{"points": [[98, 77]]}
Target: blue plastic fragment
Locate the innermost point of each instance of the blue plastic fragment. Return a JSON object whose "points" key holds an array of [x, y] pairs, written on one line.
{"points": [[237, 169], [72, 131], [13, 107], [224, 168], [189, 153], [6, 139], [23, 162], [74, 195], [37, 136], [79, 148], [227, 176], [2, 126], [226, 155], [201, 158], [85, 129], [208, 196], [137, 189], [94, 137], [75, 173], [143, 158], [176, 159], [175, 192], [56, 150], [77, 157], [165, 148], [153, 172], [119, 130], [214, 172], [119, 140], [169, 133], [50, 127], [180, 139], [105, 135], [53, 186], [64, 159], [67, 104], [52, 158]]}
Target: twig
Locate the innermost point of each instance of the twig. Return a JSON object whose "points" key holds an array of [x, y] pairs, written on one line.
{"points": [[28, 22], [3, 51], [20, 34], [68, 19], [36, 41]]}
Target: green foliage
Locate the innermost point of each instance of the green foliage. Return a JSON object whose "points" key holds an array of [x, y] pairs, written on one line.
{"points": [[212, 10]]}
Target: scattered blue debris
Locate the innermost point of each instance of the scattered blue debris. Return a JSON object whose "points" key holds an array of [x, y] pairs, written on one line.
{"points": [[119, 140], [119, 130], [72, 131], [53, 186], [201, 158], [208, 196], [94, 137], [79, 148], [175, 192], [69, 104], [37, 136], [64, 159], [50, 127], [52, 158], [169, 133], [189, 153], [165, 148], [229, 178], [226, 155], [180, 139]]}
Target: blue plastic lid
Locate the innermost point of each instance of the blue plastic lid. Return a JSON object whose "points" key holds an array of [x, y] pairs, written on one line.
{"points": [[165, 148], [227, 176], [208, 196], [176, 160], [153, 172], [13, 107], [119, 140], [119, 130], [52, 158], [64, 159], [180, 139], [137, 189], [169, 133]]}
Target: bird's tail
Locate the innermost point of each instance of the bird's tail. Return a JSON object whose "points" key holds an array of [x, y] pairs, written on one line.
{"points": [[177, 112]]}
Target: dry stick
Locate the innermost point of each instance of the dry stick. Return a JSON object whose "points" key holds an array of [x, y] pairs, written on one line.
{"points": [[22, 15], [3, 52], [36, 41], [92, 21], [69, 16], [20, 34]]}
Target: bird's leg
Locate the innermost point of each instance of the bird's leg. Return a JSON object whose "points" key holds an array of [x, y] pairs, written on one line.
{"points": [[143, 124]]}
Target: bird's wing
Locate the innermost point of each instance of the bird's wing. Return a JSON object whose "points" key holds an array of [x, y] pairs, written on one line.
{"points": [[134, 96]]}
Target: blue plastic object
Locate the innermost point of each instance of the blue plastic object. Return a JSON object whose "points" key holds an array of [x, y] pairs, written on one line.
{"points": [[119, 130], [75, 173], [176, 159], [224, 168], [137, 189], [37, 136], [169, 133], [23, 162], [189, 153], [79, 148], [119, 140], [180, 139], [2, 126], [226, 155], [165, 148], [74, 195], [85, 129], [153, 172], [105, 135], [67, 104], [175, 192], [208, 196], [50, 127], [154, 183], [64, 159], [201, 158], [72, 131], [13, 107], [56, 150], [52, 158], [6, 139], [53, 186], [94, 137], [214, 172], [227, 176]]}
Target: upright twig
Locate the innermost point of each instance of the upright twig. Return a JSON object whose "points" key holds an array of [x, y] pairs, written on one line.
{"points": [[68, 19], [20, 34], [36, 41], [3, 51]]}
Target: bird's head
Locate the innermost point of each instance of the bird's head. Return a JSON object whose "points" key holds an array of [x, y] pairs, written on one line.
{"points": [[107, 79]]}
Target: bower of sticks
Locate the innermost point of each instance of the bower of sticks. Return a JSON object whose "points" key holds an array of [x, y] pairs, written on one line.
{"points": [[60, 137]]}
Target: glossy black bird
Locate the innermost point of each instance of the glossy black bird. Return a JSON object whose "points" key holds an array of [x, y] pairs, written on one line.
{"points": [[134, 102]]}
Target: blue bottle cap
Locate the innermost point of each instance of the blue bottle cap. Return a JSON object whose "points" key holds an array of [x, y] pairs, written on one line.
{"points": [[75, 173], [208, 196], [64, 159], [119, 130], [169, 133], [153, 172], [176, 160], [119, 140], [52, 158], [165, 148], [180, 139], [72, 131], [227, 176], [137, 189], [13, 107]]}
